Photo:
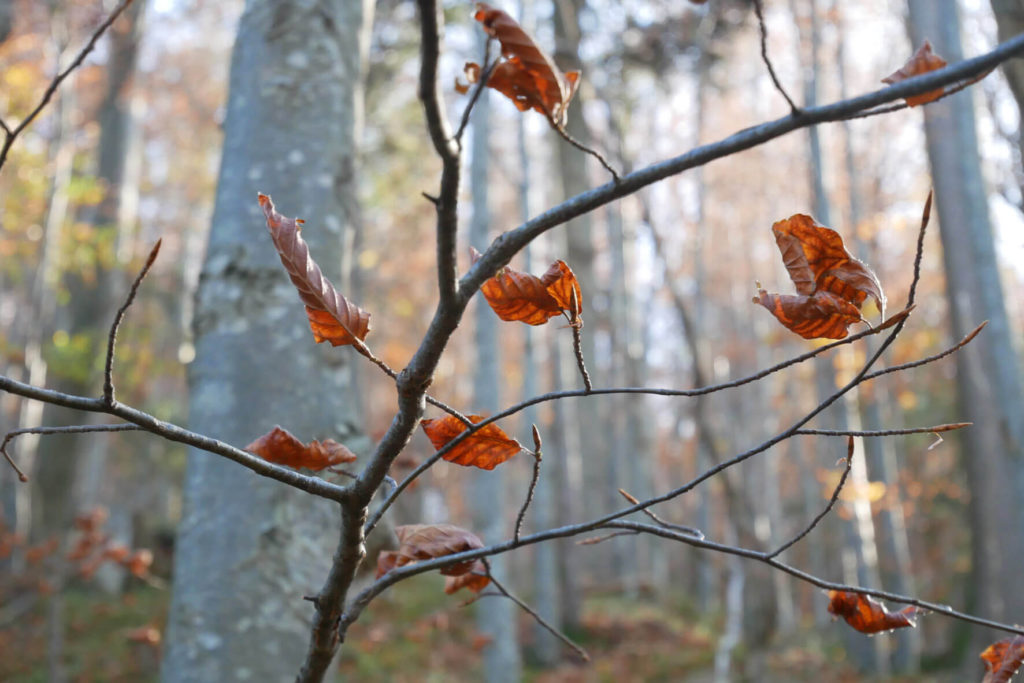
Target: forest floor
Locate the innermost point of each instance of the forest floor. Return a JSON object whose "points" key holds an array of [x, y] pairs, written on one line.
{"points": [[417, 634]]}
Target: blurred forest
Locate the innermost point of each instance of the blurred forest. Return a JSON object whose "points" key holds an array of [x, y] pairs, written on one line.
{"points": [[128, 152]]}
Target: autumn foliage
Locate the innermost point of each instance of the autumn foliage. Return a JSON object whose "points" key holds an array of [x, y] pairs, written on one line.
{"points": [[831, 284], [866, 614], [921, 62], [281, 447], [428, 541], [527, 75], [485, 448], [1002, 659], [521, 297]]}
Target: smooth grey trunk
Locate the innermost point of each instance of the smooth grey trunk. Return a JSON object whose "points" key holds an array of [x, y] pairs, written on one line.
{"points": [[895, 566], [988, 371], [1010, 22], [860, 554], [485, 490], [249, 548]]}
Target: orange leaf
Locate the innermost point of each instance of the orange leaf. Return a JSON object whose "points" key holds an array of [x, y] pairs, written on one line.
{"points": [[486, 448], [332, 317], [529, 77], [923, 61], [521, 297], [866, 614], [476, 579], [426, 542], [1002, 659], [281, 447], [139, 562], [831, 284], [147, 635]]}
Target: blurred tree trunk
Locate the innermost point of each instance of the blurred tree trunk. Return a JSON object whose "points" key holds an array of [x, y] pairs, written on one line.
{"points": [[988, 380], [572, 171], [6, 18], [96, 295], [873, 402], [1010, 22], [496, 619], [860, 554], [250, 548]]}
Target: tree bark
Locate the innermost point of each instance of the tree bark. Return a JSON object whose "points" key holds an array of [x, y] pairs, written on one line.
{"points": [[988, 380], [248, 548]]}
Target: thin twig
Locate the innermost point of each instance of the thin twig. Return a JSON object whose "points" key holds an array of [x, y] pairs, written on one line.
{"points": [[108, 367], [533, 482], [759, 11], [71, 429], [11, 135], [883, 432], [828, 508], [587, 150], [485, 75], [576, 323], [658, 520], [538, 618], [594, 540], [930, 359], [926, 214]]}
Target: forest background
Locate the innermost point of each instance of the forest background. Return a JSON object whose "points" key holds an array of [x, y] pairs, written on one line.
{"points": [[129, 150]]}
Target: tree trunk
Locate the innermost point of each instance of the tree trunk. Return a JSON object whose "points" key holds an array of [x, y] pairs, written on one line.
{"points": [[249, 548], [1010, 23], [988, 381], [496, 619]]}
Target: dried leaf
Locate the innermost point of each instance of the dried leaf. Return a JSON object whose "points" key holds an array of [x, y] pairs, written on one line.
{"points": [[332, 317], [923, 61], [1002, 659], [529, 77], [486, 448], [521, 297], [476, 579], [866, 614], [831, 284], [426, 542], [281, 447]]}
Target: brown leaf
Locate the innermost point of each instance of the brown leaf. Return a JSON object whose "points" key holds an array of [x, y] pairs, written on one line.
{"points": [[1002, 659], [866, 614], [831, 284], [426, 542], [281, 447], [521, 297], [923, 61], [529, 77], [332, 317], [486, 448], [476, 579]]}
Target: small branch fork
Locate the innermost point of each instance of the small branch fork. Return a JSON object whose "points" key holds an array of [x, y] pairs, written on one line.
{"points": [[73, 429], [10, 134]]}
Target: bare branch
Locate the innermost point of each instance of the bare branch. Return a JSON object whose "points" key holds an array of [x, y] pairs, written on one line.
{"points": [[11, 134], [587, 150], [759, 11], [538, 618], [658, 520], [485, 75], [108, 367], [576, 323], [883, 432], [828, 508], [533, 482], [70, 429]]}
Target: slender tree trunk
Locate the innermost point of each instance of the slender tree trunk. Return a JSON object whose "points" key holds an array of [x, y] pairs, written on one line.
{"points": [[1010, 22], [496, 619], [988, 379], [250, 548]]}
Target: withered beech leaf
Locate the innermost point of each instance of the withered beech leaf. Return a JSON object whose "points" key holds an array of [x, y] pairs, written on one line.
{"points": [[426, 542], [486, 448], [1002, 659], [281, 447], [529, 76], [831, 284], [332, 317], [521, 297], [866, 614], [922, 61], [476, 579]]}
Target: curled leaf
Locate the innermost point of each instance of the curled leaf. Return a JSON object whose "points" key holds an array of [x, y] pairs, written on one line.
{"points": [[332, 317], [485, 448], [521, 297], [281, 447], [922, 61], [529, 76], [866, 614], [428, 541], [831, 284], [1002, 659], [476, 579]]}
